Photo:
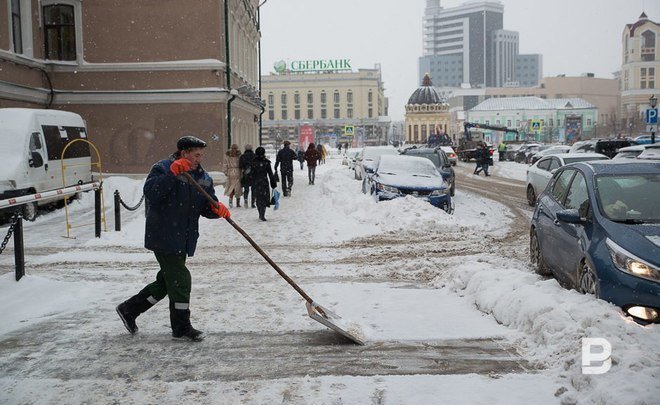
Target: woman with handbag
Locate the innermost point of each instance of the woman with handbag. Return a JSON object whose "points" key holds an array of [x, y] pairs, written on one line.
{"points": [[263, 180], [233, 173]]}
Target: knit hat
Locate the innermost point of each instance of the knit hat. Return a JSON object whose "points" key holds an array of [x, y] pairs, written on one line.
{"points": [[260, 151]]}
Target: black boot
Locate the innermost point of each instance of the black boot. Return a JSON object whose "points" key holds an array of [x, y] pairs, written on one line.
{"points": [[181, 327], [133, 307], [262, 213]]}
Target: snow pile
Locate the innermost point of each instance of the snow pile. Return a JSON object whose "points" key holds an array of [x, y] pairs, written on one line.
{"points": [[555, 320]]}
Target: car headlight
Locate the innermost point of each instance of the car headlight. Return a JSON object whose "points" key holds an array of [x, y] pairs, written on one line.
{"points": [[631, 264], [442, 191], [389, 189]]}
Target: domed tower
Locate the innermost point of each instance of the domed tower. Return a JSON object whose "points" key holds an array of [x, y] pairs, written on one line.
{"points": [[427, 113]]}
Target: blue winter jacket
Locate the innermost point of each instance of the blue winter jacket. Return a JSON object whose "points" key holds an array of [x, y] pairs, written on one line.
{"points": [[173, 207]]}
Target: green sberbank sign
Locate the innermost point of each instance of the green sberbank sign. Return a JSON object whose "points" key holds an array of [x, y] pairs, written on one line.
{"points": [[313, 65]]}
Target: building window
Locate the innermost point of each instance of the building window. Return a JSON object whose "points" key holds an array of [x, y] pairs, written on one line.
{"points": [[558, 122], [371, 112], [323, 97], [336, 113], [310, 98], [370, 97], [416, 136], [296, 114], [285, 115], [550, 121], [349, 113], [336, 96], [283, 97], [296, 98], [508, 123], [16, 25], [271, 115], [588, 122], [271, 99], [651, 78], [60, 32], [423, 133], [349, 97], [487, 122], [324, 113], [310, 113]]}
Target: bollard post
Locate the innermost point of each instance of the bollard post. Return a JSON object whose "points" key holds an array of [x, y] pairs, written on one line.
{"points": [[97, 212], [117, 211], [19, 252]]}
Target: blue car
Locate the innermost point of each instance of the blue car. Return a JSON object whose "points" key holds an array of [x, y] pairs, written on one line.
{"points": [[596, 228], [398, 176]]}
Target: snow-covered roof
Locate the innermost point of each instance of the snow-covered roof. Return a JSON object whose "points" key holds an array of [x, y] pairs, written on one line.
{"points": [[531, 103]]}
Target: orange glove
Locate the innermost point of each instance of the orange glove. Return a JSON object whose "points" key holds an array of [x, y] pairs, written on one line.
{"points": [[220, 210], [179, 166]]}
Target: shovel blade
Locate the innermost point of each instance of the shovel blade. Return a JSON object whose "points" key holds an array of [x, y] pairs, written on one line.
{"points": [[335, 322]]}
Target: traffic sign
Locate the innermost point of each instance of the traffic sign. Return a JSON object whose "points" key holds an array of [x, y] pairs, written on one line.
{"points": [[349, 130], [536, 125], [651, 115]]}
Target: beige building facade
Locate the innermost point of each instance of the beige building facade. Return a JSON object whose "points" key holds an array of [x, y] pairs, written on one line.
{"points": [[141, 74], [427, 114], [341, 106], [639, 71]]}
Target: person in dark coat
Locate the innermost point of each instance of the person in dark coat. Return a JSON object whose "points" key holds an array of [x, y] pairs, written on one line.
{"points": [[301, 157], [312, 156], [285, 158], [173, 207], [483, 159], [263, 180], [245, 164]]}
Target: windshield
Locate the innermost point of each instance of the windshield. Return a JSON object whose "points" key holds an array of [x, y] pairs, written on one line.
{"points": [[631, 198], [412, 167], [432, 156]]}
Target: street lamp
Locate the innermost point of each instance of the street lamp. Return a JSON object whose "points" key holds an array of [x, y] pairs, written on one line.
{"points": [[653, 101]]}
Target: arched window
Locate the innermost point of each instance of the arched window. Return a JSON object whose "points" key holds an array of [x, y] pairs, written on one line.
{"points": [[323, 97], [349, 96]]}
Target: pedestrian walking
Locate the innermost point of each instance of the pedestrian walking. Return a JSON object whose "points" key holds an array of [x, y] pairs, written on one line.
{"points": [[263, 180], [483, 160], [339, 148], [501, 149], [301, 157], [321, 151], [233, 173], [312, 157], [173, 208], [245, 165], [284, 160]]}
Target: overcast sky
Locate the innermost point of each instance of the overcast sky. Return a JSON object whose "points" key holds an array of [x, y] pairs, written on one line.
{"points": [[574, 36]]}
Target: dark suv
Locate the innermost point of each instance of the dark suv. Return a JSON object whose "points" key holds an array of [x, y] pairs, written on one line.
{"points": [[607, 147], [441, 162]]}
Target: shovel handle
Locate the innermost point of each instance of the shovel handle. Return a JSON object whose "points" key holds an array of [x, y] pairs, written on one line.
{"points": [[254, 244]]}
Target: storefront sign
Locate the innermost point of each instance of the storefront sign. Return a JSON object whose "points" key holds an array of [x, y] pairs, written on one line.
{"points": [[315, 65]]}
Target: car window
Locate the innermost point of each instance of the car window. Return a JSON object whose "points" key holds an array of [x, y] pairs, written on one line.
{"points": [[444, 161], [544, 164], [629, 197], [555, 164], [561, 184], [577, 196]]}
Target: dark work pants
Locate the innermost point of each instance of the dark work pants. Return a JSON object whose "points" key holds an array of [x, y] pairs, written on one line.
{"points": [[311, 172], [173, 279], [287, 179], [246, 191]]}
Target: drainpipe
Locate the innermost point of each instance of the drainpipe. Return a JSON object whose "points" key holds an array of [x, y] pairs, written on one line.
{"points": [[228, 75], [261, 114]]}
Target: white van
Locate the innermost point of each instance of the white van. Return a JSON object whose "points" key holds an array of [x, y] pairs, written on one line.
{"points": [[31, 145]]}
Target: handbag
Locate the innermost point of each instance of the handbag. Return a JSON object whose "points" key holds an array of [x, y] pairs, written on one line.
{"points": [[275, 199]]}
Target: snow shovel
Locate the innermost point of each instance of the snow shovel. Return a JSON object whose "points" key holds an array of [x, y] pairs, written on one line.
{"points": [[315, 311]]}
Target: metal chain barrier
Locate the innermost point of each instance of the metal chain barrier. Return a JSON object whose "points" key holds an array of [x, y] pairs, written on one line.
{"points": [[131, 208], [14, 219]]}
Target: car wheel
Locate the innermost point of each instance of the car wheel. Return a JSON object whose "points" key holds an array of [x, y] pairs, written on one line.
{"points": [[535, 255], [30, 211], [588, 280], [531, 195]]}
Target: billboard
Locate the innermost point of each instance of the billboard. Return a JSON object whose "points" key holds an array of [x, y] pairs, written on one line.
{"points": [[573, 125], [306, 136]]}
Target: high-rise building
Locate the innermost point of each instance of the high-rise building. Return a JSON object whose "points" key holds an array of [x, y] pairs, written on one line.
{"points": [[467, 46], [529, 70]]}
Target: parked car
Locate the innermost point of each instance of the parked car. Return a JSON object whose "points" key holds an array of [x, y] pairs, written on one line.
{"points": [[596, 228], [552, 150], [629, 152], [521, 154], [652, 152], [32, 142], [451, 154], [643, 139], [607, 147], [399, 176], [351, 158], [365, 161], [511, 151], [441, 162], [539, 174]]}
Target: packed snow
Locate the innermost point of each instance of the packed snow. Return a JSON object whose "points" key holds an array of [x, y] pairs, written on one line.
{"points": [[75, 284]]}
